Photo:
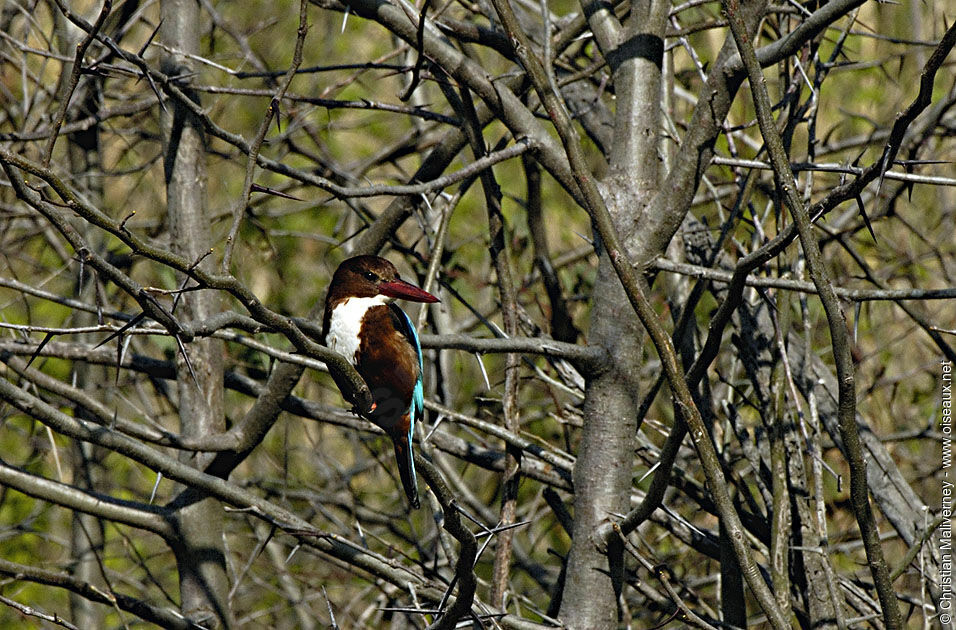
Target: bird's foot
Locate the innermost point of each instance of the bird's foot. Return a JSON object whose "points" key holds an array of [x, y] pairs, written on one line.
{"points": [[358, 412]]}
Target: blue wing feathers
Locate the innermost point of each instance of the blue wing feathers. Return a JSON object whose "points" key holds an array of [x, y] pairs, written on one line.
{"points": [[417, 409]]}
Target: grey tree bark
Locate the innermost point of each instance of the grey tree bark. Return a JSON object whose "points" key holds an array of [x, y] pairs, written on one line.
{"points": [[199, 548], [83, 150], [603, 471], [647, 206]]}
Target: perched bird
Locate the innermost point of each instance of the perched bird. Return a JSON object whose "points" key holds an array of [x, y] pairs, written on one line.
{"points": [[363, 323]]}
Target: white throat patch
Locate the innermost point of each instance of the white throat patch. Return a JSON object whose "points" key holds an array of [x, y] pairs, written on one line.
{"points": [[346, 322]]}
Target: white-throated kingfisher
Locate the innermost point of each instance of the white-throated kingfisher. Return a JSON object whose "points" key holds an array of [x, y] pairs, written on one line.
{"points": [[363, 323]]}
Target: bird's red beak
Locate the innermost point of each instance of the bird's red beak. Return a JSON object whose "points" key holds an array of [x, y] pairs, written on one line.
{"points": [[405, 291]]}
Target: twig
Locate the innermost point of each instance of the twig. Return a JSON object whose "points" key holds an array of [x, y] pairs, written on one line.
{"points": [[273, 110], [915, 548], [420, 60], [338, 365], [660, 571], [835, 319], [636, 293], [33, 612], [142, 609], [464, 567], [329, 103], [856, 295], [75, 72], [826, 167]]}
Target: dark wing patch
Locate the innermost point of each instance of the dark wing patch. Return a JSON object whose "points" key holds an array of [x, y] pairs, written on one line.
{"points": [[389, 364], [402, 324]]}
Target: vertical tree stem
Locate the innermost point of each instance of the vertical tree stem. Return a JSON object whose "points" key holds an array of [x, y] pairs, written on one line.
{"points": [[199, 548], [859, 494]]}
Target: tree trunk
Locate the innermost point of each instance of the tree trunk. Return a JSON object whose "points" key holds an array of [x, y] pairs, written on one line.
{"points": [[83, 153], [199, 548], [603, 471]]}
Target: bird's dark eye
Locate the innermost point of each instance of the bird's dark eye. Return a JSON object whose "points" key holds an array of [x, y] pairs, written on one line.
{"points": [[371, 277]]}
